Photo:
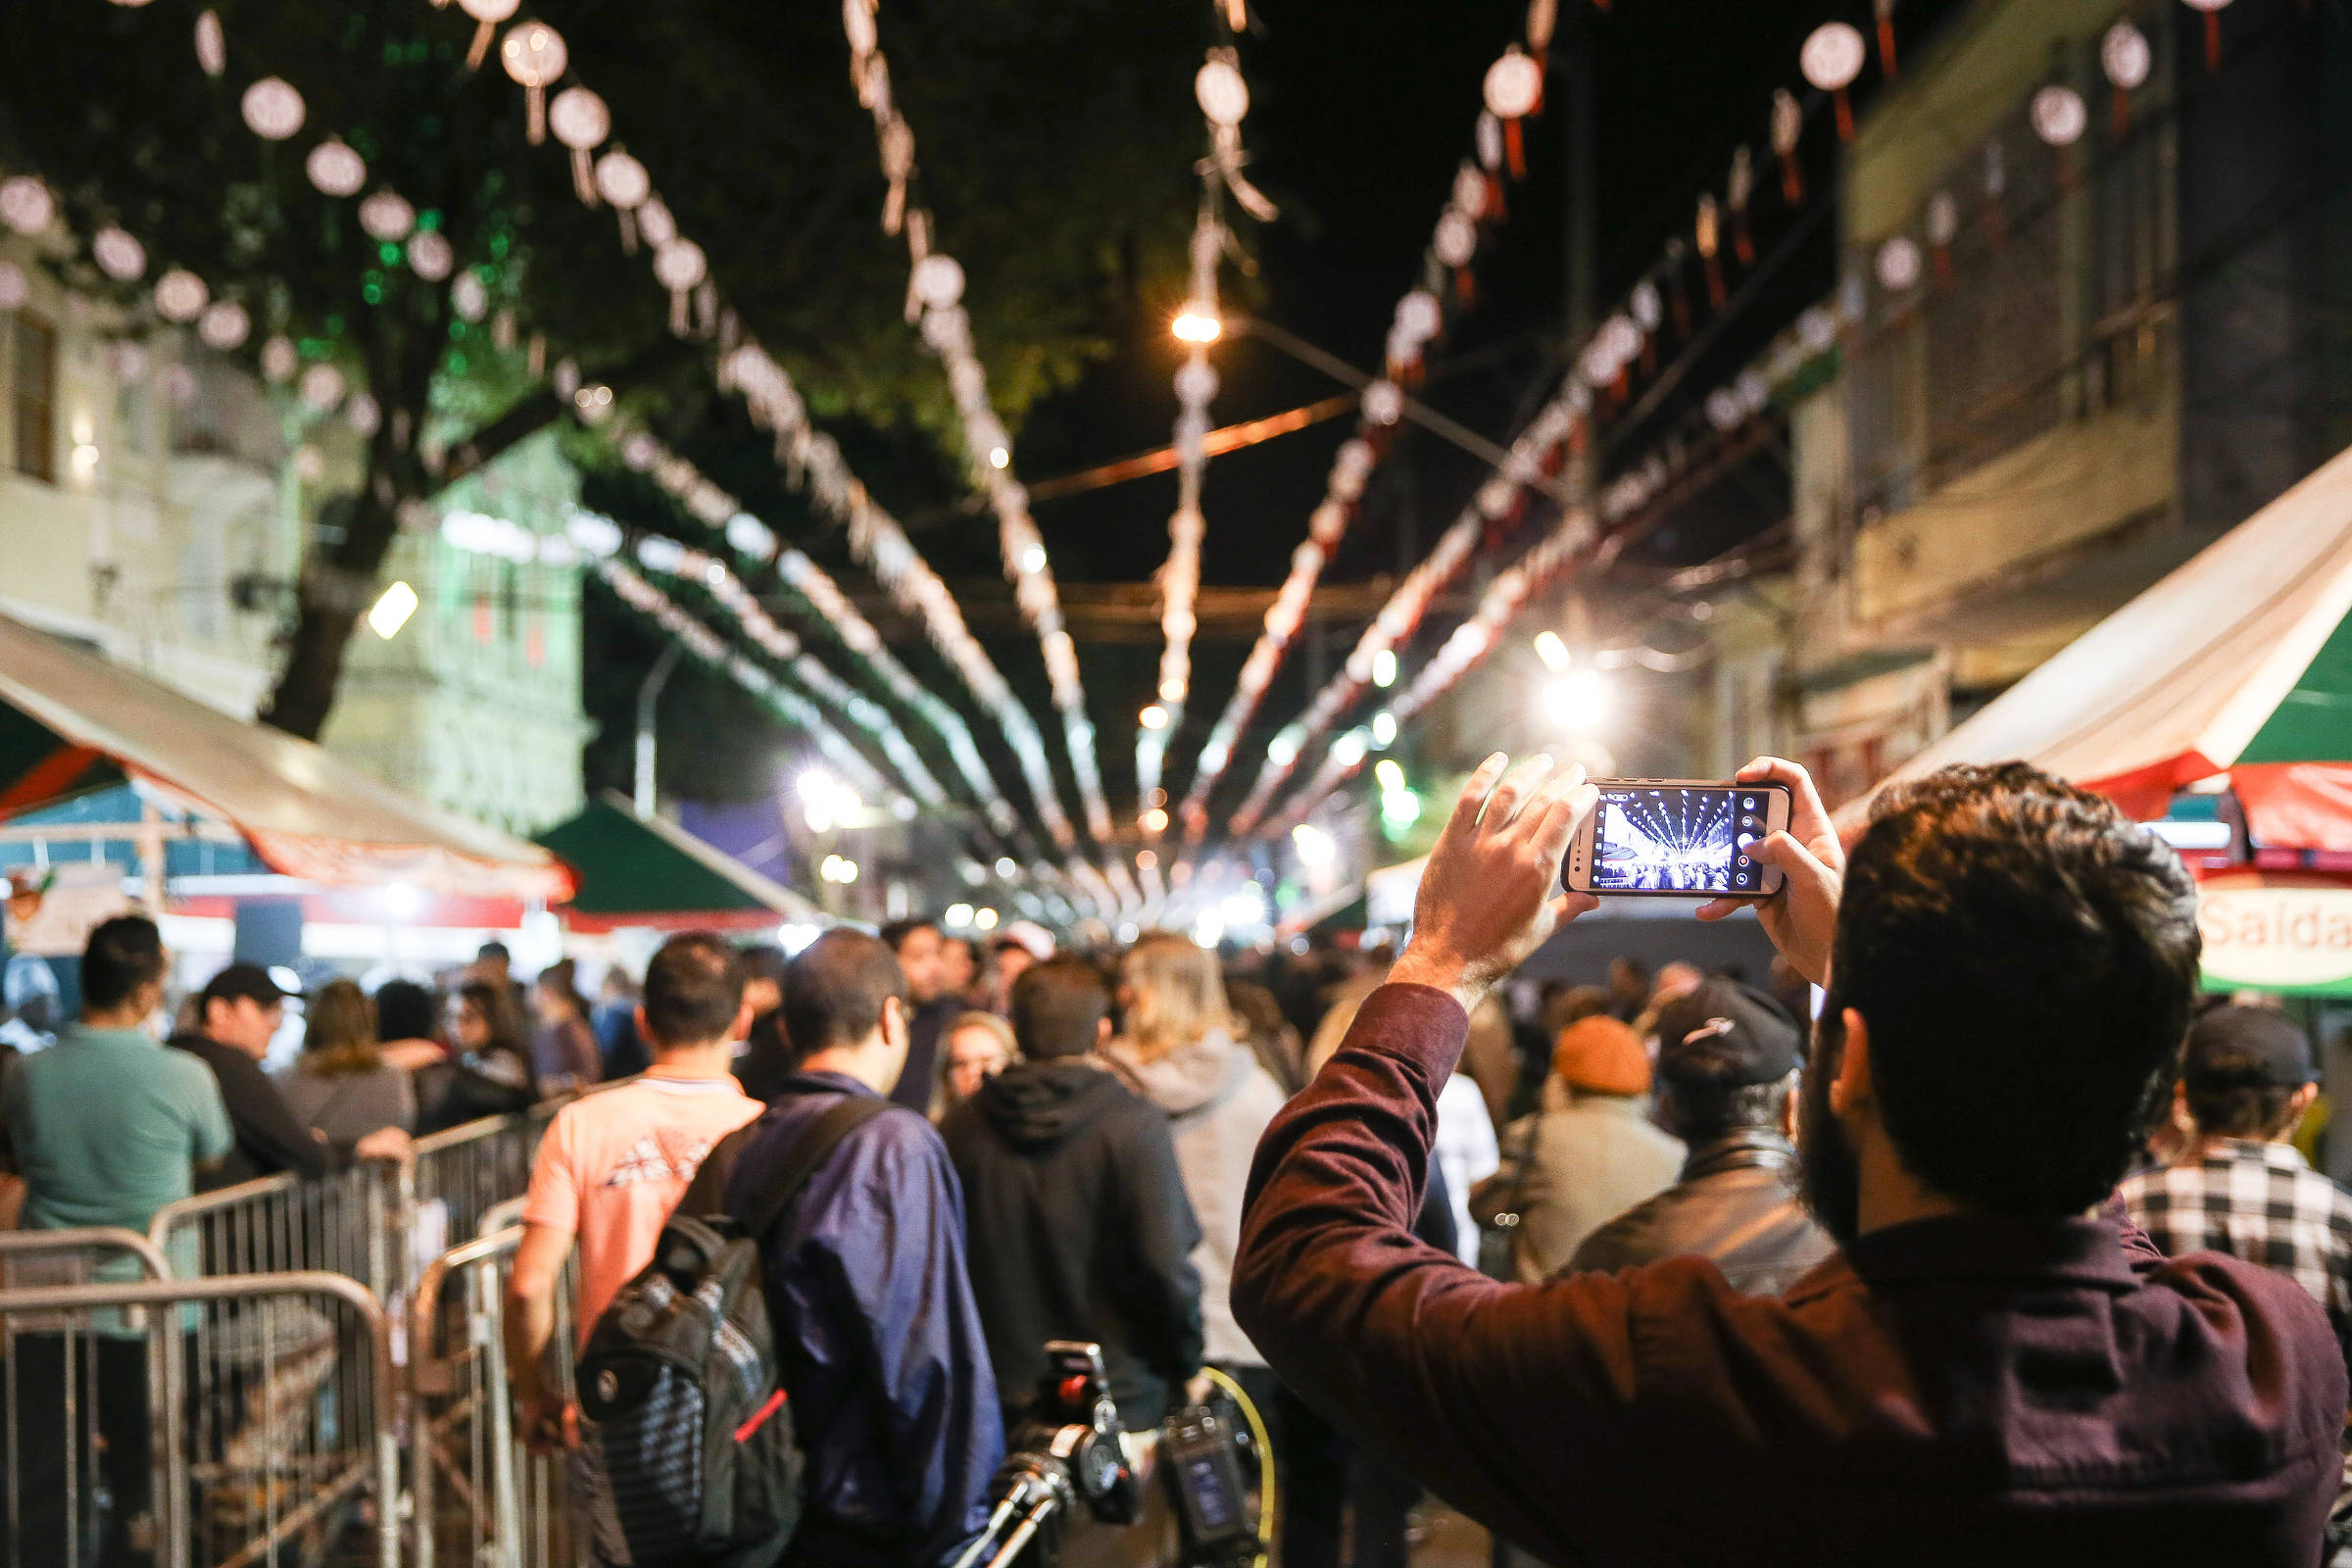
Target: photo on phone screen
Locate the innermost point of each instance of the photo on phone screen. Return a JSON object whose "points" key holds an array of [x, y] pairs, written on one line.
{"points": [[1680, 838]]}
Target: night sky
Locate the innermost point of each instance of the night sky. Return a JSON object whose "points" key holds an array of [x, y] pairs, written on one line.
{"points": [[1360, 114]]}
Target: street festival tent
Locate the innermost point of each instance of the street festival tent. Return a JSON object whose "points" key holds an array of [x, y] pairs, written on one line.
{"points": [[71, 721], [643, 871], [2234, 673]]}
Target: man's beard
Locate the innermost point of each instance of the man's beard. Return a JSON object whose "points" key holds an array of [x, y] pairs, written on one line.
{"points": [[1829, 1176]]}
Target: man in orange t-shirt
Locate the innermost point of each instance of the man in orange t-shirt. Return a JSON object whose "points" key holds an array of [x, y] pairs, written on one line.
{"points": [[613, 1164]]}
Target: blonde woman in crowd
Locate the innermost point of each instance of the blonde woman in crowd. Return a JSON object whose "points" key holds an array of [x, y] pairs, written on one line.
{"points": [[1178, 1050], [975, 1048], [342, 1086]]}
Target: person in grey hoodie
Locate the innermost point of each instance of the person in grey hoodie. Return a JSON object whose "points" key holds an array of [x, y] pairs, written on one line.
{"points": [[1179, 1051]]}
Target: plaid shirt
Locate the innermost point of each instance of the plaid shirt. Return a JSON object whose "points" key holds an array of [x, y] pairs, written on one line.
{"points": [[2258, 1201]]}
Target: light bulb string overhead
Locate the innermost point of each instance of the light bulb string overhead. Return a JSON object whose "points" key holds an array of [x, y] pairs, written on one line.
{"points": [[753, 540], [934, 302], [1512, 90]]}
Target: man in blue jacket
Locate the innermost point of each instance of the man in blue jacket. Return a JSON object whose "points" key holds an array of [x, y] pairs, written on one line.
{"points": [[893, 1396]]}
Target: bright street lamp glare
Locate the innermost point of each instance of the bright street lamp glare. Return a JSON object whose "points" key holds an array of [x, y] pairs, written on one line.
{"points": [[1389, 775], [392, 611], [1154, 717], [1578, 700], [985, 920], [1552, 651], [1198, 323]]}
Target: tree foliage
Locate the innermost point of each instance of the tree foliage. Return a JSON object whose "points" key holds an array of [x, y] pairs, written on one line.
{"points": [[1056, 144]]}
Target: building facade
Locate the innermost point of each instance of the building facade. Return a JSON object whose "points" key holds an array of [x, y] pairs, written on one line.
{"points": [[154, 501]]}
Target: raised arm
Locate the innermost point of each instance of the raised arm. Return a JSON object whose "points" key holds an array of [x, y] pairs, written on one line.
{"points": [[1499, 1397]]}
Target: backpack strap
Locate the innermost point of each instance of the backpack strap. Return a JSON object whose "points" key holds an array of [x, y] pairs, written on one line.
{"points": [[843, 1117]]}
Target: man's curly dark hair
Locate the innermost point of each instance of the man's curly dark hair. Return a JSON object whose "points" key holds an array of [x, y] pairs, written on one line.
{"points": [[2025, 958]]}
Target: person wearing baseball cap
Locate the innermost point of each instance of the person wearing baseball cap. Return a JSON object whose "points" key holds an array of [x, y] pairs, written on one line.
{"points": [[2246, 1080], [239, 1013], [1726, 1078]]}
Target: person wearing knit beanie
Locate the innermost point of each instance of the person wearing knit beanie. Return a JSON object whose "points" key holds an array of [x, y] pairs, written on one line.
{"points": [[1599, 1056]]}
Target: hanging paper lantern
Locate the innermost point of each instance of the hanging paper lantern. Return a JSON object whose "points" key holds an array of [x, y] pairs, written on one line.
{"points": [[1898, 265], [180, 295], [178, 383], [1649, 309], [118, 255], [224, 325], [581, 123], [469, 297], [336, 169], [1886, 15], [1817, 329], [1787, 125], [1196, 382], [534, 55], [1514, 85], [1488, 139], [363, 413], [387, 216], [654, 222], [309, 463], [272, 108], [1725, 410], [1457, 240], [2212, 10], [679, 264], [430, 255], [15, 287], [126, 362], [1382, 402], [1223, 96], [1738, 187], [1419, 315], [488, 13], [1471, 190], [1706, 228], [130, 5], [622, 180], [1943, 223], [1831, 60], [25, 204], [321, 387], [2126, 57], [938, 280], [211, 49], [278, 360], [2058, 114]]}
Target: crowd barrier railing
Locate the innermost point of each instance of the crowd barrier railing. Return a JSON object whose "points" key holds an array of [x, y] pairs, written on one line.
{"points": [[506, 1506], [347, 1223], [228, 1422]]}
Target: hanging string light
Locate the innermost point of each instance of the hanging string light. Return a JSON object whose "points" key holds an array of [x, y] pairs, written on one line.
{"points": [[336, 169], [487, 14], [1831, 60], [212, 48], [2125, 58], [2212, 11], [534, 55], [272, 108], [1884, 10], [1514, 87], [1787, 124], [581, 123]]}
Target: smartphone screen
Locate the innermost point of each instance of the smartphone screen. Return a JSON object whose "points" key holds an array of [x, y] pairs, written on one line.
{"points": [[1680, 838]]}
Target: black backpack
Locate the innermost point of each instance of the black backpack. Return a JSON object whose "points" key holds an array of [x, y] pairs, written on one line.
{"points": [[690, 1433]]}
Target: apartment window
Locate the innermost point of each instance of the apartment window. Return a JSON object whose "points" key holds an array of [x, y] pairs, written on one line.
{"points": [[35, 390]]}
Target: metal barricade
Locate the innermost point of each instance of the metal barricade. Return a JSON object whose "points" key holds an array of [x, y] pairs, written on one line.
{"points": [[462, 1172], [480, 1496], [210, 1423], [349, 1223], [30, 1258]]}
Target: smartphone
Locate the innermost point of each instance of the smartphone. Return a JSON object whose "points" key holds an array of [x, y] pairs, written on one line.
{"points": [[1676, 837]]}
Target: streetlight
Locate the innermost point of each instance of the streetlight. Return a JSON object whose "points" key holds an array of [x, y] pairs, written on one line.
{"points": [[1197, 323], [392, 611], [1578, 701], [1154, 717]]}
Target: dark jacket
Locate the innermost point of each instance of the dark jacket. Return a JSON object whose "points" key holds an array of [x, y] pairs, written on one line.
{"points": [[880, 1346], [270, 1137], [1970, 1389], [1079, 1230], [924, 1025], [1733, 1206]]}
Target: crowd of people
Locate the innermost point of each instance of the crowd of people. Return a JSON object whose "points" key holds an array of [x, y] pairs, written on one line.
{"points": [[1973, 1251]]}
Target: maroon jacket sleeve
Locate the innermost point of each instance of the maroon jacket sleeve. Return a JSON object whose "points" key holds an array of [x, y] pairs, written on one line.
{"points": [[1503, 1398]]}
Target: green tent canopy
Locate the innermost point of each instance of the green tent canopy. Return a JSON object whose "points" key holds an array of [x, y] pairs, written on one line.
{"points": [[640, 872]]}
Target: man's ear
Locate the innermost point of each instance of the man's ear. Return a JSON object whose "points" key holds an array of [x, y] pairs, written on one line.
{"points": [[1851, 1088], [741, 1028], [2298, 1105], [1102, 1031], [894, 1020]]}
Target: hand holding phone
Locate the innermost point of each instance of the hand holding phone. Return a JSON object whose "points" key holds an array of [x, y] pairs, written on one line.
{"points": [[1680, 838], [1801, 918]]}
